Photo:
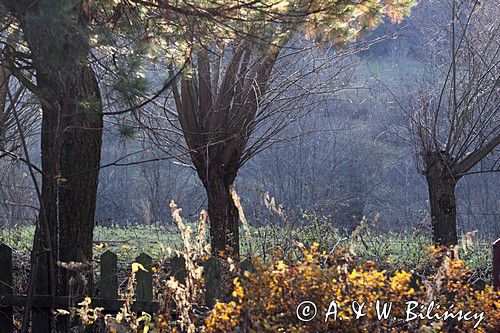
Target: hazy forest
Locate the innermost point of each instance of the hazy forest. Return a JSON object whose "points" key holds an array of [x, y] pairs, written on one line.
{"points": [[249, 165]]}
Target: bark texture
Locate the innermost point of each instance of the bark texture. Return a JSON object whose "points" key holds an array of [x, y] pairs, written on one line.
{"points": [[79, 168], [71, 135], [222, 211], [442, 182]]}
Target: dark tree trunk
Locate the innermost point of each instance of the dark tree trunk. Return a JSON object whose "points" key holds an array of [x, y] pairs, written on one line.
{"points": [[71, 141], [80, 158], [224, 235], [45, 241], [71, 149], [442, 182], [223, 216]]}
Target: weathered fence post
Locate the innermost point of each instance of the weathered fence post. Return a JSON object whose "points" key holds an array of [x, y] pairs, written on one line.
{"points": [[108, 284], [144, 290], [496, 264], [6, 280]]}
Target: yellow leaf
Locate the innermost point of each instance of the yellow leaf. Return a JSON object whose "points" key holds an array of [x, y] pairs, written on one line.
{"points": [[62, 312], [281, 266], [136, 267]]}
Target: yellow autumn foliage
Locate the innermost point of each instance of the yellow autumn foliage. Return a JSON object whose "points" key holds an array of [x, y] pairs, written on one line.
{"points": [[267, 300]]}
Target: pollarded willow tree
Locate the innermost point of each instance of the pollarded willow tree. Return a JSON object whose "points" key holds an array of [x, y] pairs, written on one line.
{"points": [[228, 102], [456, 123], [219, 111]]}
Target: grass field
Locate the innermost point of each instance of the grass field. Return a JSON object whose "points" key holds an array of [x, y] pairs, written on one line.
{"points": [[391, 251]]}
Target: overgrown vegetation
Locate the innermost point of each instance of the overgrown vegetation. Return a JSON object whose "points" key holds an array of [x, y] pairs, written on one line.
{"points": [[390, 251], [267, 300], [268, 296]]}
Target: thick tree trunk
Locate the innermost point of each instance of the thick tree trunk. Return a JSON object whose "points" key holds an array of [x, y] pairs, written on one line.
{"points": [[71, 149], [442, 182], [71, 138], [45, 242], [223, 216], [71, 129], [224, 236], [80, 158]]}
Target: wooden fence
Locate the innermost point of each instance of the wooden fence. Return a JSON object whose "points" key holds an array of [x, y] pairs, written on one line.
{"points": [[108, 286]]}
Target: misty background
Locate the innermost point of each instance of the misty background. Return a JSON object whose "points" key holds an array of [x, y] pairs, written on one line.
{"points": [[351, 155]]}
